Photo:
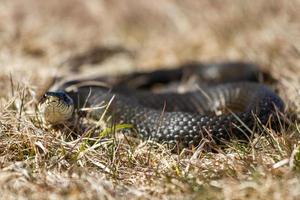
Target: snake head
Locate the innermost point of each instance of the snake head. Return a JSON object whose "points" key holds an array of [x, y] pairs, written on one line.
{"points": [[56, 107]]}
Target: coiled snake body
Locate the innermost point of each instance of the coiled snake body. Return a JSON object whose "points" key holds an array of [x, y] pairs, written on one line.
{"points": [[217, 111]]}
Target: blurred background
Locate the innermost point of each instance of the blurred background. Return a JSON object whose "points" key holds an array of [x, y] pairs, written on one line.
{"points": [[42, 39], [37, 38]]}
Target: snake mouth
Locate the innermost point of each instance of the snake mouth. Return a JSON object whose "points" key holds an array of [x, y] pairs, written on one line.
{"points": [[55, 108]]}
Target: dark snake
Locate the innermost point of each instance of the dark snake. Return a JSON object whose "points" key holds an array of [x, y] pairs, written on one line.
{"points": [[226, 103]]}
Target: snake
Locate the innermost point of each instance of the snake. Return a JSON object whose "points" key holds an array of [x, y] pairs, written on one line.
{"points": [[225, 103]]}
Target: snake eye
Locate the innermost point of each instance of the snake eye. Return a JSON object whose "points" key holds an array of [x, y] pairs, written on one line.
{"points": [[43, 98]]}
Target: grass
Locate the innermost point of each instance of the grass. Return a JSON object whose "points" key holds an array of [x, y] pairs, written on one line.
{"points": [[47, 163]]}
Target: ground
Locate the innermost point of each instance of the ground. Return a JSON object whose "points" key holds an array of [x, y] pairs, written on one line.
{"points": [[36, 37]]}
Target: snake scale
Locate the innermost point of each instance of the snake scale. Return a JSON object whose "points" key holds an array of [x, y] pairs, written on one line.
{"points": [[226, 103]]}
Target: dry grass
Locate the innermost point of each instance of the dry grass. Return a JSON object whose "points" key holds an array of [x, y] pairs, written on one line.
{"points": [[38, 163]]}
